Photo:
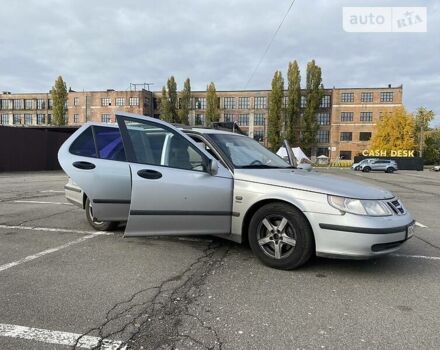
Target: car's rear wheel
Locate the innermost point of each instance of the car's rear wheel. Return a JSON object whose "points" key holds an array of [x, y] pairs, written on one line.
{"points": [[366, 169], [96, 224], [390, 170], [280, 236]]}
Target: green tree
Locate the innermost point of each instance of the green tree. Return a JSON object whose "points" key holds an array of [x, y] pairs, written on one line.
{"points": [[275, 121], [185, 100], [59, 98], [172, 98], [165, 112], [423, 117], [395, 131], [293, 111], [431, 152], [212, 112], [314, 93]]}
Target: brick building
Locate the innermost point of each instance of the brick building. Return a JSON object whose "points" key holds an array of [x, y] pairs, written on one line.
{"points": [[347, 116]]}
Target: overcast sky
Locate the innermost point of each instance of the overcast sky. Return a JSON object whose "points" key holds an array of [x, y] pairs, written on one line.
{"points": [[97, 45]]}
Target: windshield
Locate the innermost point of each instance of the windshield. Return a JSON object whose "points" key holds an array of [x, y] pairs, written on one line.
{"points": [[245, 152]]}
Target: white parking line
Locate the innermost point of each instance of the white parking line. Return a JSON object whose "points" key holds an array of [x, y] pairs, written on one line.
{"points": [[50, 250], [417, 256], [54, 229], [43, 202], [420, 225], [51, 191], [57, 337]]}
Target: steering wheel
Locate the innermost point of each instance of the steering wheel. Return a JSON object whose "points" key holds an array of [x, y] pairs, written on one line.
{"points": [[256, 162]]}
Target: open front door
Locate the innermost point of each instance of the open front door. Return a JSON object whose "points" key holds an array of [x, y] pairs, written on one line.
{"points": [[174, 190]]}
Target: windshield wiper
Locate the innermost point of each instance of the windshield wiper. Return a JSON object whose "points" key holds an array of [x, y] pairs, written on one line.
{"points": [[263, 166]]}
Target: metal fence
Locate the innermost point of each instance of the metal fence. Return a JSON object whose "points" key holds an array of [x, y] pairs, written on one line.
{"points": [[31, 148]]}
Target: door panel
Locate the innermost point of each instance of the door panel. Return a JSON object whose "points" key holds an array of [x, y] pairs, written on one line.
{"points": [[172, 192], [105, 181]]}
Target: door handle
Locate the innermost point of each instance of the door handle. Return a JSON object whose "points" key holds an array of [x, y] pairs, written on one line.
{"points": [[149, 174], [84, 165]]}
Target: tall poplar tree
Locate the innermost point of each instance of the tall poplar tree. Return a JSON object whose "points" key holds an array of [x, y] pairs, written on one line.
{"points": [[212, 112], [293, 111], [165, 113], [172, 98], [274, 122], [314, 93], [185, 100], [59, 98]]}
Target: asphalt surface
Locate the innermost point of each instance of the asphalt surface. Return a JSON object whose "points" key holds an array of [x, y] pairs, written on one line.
{"points": [[206, 293]]}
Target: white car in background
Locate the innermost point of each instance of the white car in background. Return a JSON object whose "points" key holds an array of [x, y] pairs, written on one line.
{"points": [[358, 166]]}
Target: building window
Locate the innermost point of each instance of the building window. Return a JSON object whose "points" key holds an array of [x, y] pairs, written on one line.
{"points": [[229, 103], [366, 116], [76, 101], [345, 154], [259, 135], [5, 104], [367, 97], [49, 103], [285, 101], [200, 102], [17, 119], [346, 136], [260, 102], [386, 96], [323, 136], [325, 101], [259, 119], [364, 136], [18, 104], [41, 104], [200, 119], [41, 119], [322, 151], [243, 102], [303, 102], [323, 118], [243, 119], [228, 117], [76, 118], [120, 101], [347, 97], [105, 118], [4, 120], [28, 119], [106, 102], [49, 119], [346, 116], [133, 101], [29, 104]]}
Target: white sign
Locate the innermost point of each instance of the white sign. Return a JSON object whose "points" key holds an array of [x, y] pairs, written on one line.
{"points": [[384, 19]]}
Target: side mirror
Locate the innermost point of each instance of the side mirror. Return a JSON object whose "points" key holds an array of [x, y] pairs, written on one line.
{"points": [[212, 167], [305, 166]]}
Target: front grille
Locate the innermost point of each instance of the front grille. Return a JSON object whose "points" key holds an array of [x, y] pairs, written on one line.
{"points": [[397, 207]]}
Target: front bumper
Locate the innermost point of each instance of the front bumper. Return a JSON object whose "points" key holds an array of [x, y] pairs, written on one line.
{"points": [[359, 237]]}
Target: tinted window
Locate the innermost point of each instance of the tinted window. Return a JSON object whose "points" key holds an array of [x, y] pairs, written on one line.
{"points": [[84, 145], [109, 143]]}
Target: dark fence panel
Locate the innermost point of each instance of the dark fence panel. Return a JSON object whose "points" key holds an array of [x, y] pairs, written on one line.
{"points": [[31, 148], [404, 163]]}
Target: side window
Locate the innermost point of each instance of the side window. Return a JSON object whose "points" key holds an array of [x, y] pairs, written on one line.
{"points": [[157, 145], [84, 145], [109, 143]]}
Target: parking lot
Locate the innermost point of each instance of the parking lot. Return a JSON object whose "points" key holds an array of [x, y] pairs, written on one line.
{"points": [[63, 285]]}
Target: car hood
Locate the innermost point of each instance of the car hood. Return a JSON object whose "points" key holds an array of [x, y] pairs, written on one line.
{"points": [[313, 181]]}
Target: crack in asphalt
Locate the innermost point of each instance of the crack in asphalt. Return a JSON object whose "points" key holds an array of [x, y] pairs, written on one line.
{"points": [[28, 196], [39, 218], [427, 242], [155, 320]]}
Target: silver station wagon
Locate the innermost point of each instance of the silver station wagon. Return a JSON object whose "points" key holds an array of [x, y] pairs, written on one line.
{"points": [[164, 180]]}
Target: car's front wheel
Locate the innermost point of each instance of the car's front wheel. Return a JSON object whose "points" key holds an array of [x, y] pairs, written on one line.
{"points": [[366, 169], [280, 236], [96, 224]]}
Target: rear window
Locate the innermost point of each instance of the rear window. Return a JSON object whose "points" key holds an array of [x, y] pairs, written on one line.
{"points": [[108, 142]]}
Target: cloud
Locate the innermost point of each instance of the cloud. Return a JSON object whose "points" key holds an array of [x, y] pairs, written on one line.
{"points": [[108, 44]]}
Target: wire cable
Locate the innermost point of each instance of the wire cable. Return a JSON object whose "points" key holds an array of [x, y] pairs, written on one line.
{"points": [[269, 44]]}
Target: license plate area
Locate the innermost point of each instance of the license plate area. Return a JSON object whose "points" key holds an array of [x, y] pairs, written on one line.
{"points": [[410, 231]]}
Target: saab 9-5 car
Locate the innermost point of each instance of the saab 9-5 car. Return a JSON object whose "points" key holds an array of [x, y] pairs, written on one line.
{"points": [[165, 180]]}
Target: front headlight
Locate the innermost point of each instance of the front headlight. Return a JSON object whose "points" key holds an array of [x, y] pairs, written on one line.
{"points": [[359, 206]]}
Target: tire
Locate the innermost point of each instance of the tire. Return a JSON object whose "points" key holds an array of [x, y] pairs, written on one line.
{"points": [[283, 248], [390, 170], [366, 169], [357, 168], [98, 225]]}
